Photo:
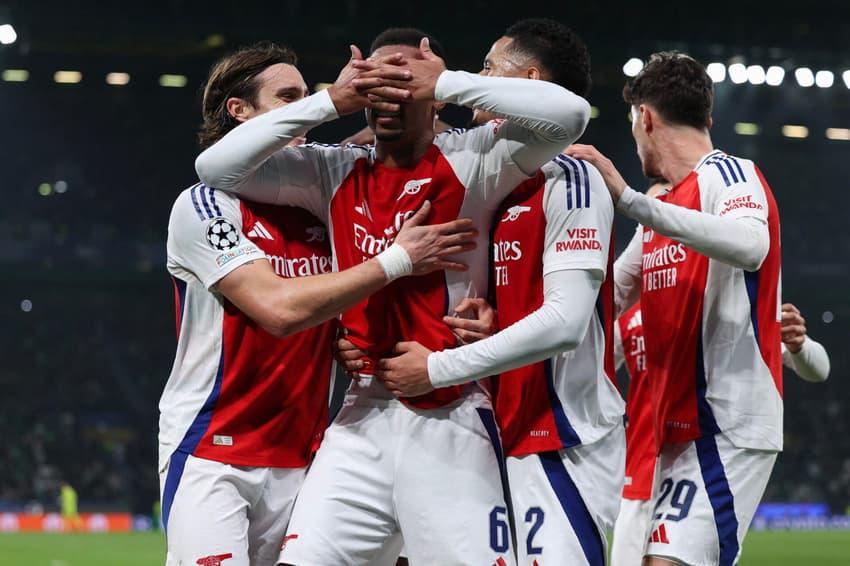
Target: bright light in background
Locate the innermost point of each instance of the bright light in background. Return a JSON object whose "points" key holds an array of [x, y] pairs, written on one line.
{"points": [[747, 129], [717, 72], [805, 77], [175, 81], [67, 77], [737, 73], [16, 75], [775, 75], [755, 74], [117, 79], [846, 76], [26, 305], [45, 190], [60, 187], [824, 79], [791, 131], [827, 317], [632, 67], [321, 86], [8, 35], [838, 134], [594, 112]]}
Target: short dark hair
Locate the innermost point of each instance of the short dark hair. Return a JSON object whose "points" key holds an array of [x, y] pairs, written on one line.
{"points": [[677, 86], [406, 36], [235, 75], [558, 49]]}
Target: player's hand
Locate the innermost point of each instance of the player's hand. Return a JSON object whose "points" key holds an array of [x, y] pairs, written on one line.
{"points": [[430, 247], [613, 180], [793, 328], [482, 324], [349, 357], [349, 92], [425, 72], [364, 137], [406, 375]]}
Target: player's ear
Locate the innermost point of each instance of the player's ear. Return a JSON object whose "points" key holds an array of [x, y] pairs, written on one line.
{"points": [[710, 122], [647, 118], [239, 108], [533, 73]]}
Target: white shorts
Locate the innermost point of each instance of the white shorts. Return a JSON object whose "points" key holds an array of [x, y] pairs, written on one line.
{"points": [[215, 512], [565, 501], [384, 470], [631, 532], [706, 492]]}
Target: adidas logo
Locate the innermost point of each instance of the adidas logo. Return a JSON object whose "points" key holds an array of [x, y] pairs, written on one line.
{"points": [[260, 231], [660, 535]]}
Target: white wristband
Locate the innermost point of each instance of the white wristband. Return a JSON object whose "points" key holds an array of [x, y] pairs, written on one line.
{"points": [[395, 261]]}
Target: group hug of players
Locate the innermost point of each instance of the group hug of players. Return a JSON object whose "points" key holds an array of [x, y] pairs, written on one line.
{"points": [[474, 432]]}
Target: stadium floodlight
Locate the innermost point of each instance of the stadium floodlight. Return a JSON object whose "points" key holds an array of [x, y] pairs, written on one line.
{"points": [[117, 79], [632, 67], [747, 129], [16, 75], [174, 81], [805, 77], [793, 131], [8, 35], [594, 112], [45, 189], [738, 73], [755, 74], [67, 77], [846, 76], [717, 72], [824, 79], [60, 187], [842, 134], [775, 75]]}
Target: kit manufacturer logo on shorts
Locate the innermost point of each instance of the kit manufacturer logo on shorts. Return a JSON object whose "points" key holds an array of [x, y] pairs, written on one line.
{"points": [[413, 187], [222, 440]]}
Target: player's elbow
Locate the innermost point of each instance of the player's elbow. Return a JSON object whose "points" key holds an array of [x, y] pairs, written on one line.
{"points": [[573, 118], [570, 336], [752, 257], [283, 324], [210, 173]]}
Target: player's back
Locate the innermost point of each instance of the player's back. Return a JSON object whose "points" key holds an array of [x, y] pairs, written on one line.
{"points": [[712, 329], [236, 393]]}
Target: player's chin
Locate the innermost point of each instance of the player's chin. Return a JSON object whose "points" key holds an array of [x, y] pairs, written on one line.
{"points": [[388, 134]]}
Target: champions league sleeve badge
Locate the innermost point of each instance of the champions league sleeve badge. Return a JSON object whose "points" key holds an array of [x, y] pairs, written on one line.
{"points": [[222, 235]]}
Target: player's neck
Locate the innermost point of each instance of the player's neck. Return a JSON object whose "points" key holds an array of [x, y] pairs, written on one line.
{"points": [[682, 151], [402, 153]]}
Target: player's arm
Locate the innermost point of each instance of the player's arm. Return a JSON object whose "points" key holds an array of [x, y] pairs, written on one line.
{"points": [[805, 356], [739, 238], [627, 274], [252, 160], [619, 350]]}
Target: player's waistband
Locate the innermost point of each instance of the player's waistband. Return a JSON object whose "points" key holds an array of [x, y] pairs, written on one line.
{"points": [[365, 390]]}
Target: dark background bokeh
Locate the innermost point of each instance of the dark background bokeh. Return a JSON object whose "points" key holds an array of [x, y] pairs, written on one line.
{"points": [[85, 359]]}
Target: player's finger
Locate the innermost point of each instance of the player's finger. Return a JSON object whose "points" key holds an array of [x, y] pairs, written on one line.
{"points": [[345, 344], [794, 330], [450, 266], [790, 307], [464, 305], [458, 238], [381, 105], [383, 87], [454, 226], [352, 365], [397, 93], [468, 336], [388, 72], [792, 318], [355, 53], [419, 216], [454, 250], [465, 323], [425, 48], [402, 347]]}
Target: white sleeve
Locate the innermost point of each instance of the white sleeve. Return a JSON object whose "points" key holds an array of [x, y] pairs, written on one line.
{"points": [[557, 326], [205, 237], [734, 229], [540, 120], [619, 351], [627, 274], [811, 363], [252, 160], [579, 217]]}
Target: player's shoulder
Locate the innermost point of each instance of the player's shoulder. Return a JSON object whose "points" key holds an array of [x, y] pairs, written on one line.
{"points": [[455, 139], [349, 151], [582, 182], [202, 203], [722, 170]]}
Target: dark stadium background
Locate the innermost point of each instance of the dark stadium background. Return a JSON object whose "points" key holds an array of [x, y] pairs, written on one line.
{"points": [[86, 308]]}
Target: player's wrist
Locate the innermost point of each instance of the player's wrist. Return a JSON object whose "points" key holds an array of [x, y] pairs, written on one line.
{"points": [[395, 261]]}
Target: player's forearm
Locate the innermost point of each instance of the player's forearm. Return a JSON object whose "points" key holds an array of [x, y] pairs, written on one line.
{"points": [[811, 363], [237, 156], [739, 242], [627, 274], [554, 116], [619, 352], [559, 325]]}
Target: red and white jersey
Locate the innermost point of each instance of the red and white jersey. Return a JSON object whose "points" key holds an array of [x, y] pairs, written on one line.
{"points": [[561, 219], [640, 433], [713, 330], [236, 393]]}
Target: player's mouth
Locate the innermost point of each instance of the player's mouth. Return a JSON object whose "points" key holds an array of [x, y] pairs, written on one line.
{"points": [[388, 119]]}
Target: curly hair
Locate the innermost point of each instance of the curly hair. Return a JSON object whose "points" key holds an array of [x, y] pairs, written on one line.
{"points": [[558, 49], [406, 36], [235, 76], [677, 86]]}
